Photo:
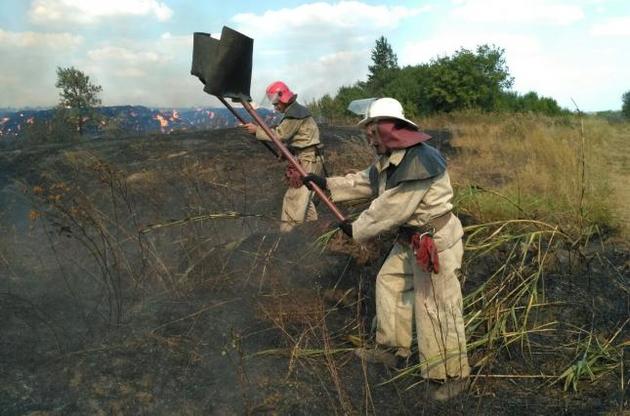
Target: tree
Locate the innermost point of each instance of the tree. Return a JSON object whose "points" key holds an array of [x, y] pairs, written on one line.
{"points": [[385, 65], [346, 94], [78, 97], [468, 79], [625, 108], [410, 86], [325, 109], [337, 108], [530, 102]]}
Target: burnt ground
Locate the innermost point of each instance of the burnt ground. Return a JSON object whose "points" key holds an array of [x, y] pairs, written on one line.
{"points": [[145, 276]]}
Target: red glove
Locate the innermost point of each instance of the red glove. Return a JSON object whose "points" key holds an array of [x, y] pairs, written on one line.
{"points": [[292, 176], [426, 252]]}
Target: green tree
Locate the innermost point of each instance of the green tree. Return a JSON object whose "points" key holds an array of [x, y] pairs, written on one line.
{"points": [[384, 66], [625, 108], [530, 102], [335, 109], [78, 97], [410, 86], [346, 94], [326, 108], [468, 79]]}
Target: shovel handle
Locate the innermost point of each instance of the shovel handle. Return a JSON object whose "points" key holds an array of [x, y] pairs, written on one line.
{"points": [[232, 110], [242, 120], [289, 156]]}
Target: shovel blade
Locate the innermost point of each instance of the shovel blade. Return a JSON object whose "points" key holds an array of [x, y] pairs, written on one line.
{"points": [[204, 48], [224, 66]]}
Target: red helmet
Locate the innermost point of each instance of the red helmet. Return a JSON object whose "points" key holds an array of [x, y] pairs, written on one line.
{"points": [[279, 92]]}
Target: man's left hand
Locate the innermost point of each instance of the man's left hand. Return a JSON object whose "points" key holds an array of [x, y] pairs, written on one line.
{"points": [[346, 227]]}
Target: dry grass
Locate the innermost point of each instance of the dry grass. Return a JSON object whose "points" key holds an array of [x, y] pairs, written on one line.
{"points": [[295, 307], [526, 166], [356, 154], [533, 185], [520, 177]]}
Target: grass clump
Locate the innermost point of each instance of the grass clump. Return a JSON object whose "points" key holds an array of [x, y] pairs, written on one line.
{"points": [[559, 170]]}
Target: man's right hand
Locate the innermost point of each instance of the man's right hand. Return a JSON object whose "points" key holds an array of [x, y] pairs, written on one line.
{"points": [[249, 127], [320, 181]]}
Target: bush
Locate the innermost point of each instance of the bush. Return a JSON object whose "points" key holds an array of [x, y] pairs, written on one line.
{"points": [[625, 108], [53, 129], [467, 80]]}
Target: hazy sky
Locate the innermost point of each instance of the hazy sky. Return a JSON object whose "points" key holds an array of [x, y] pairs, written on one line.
{"points": [[140, 51]]}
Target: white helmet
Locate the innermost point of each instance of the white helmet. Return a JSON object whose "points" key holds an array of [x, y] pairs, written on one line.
{"points": [[385, 108]]}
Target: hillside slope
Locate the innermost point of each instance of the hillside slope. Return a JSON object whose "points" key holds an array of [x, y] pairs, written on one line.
{"points": [[146, 276]]}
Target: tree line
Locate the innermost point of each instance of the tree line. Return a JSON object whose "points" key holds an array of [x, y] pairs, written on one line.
{"points": [[468, 79]]}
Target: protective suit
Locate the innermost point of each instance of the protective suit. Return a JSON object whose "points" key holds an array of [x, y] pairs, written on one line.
{"points": [[412, 196], [298, 130]]}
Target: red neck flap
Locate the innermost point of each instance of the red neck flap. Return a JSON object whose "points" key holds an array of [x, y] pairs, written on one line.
{"points": [[396, 135]]}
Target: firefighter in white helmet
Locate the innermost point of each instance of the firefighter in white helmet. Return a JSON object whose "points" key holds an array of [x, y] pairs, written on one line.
{"points": [[299, 132], [419, 279]]}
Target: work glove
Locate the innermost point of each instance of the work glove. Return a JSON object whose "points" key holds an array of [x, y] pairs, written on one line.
{"points": [[346, 227], [426, 252], [292, 176], [249, 128], [320, 181]]}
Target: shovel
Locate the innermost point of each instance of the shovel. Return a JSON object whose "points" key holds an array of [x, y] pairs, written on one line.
{"points": [[225, 68], [204, 48]]}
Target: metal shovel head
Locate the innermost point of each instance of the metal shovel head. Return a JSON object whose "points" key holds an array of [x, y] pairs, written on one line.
{"points": [[225, 65], [204, 48]]}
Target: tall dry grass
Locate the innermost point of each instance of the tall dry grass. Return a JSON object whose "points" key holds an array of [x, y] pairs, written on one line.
{"points": [[531, 186], [529, 166]]}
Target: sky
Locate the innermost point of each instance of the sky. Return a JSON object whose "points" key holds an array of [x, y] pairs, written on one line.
{"points": [[140, 51]]}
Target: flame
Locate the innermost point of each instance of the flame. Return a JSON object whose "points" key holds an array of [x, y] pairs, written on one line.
{"points": [[162, 120], [175, 115]]}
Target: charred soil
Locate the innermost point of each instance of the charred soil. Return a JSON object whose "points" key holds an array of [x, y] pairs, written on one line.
{"points": [[146, 275]]}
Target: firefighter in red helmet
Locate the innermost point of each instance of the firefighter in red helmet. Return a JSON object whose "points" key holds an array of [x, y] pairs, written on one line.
{"points": [[299, 132]]}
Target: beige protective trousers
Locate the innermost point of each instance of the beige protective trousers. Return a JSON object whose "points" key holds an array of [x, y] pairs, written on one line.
{"points": [[297, 205], [402, 288]]}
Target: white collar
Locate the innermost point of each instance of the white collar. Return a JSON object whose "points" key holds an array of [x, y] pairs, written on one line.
{"points": [[394, 158]]}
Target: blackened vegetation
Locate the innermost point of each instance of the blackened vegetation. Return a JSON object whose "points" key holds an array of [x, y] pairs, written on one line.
{"points": [[147, 276]]}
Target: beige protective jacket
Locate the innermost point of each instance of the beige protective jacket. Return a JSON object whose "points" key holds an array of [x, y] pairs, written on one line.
{"points": [[298, 131], [412, 203]]}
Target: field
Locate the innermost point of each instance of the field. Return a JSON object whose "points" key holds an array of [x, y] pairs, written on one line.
{"points": [[145, 275]]}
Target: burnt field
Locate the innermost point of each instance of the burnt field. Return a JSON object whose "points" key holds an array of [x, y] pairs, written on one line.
{"points": [[146, 276]]}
